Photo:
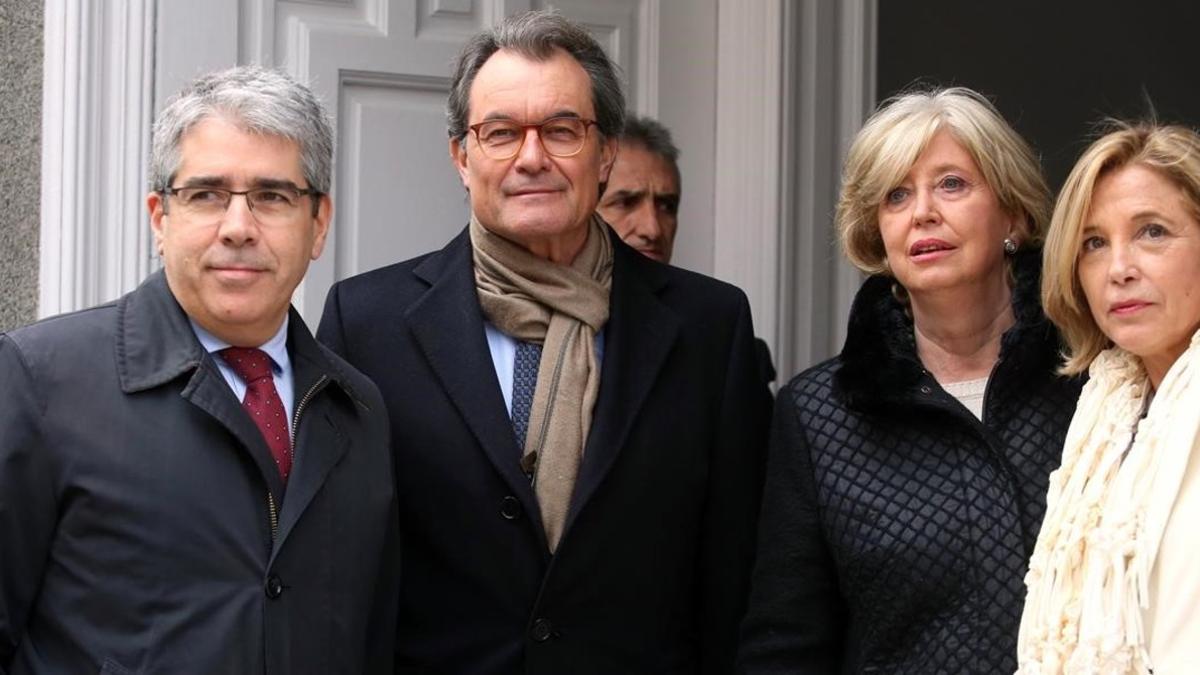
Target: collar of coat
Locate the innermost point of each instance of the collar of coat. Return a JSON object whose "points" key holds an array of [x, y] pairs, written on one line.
{"points": [[155, 343], [879, 364]]}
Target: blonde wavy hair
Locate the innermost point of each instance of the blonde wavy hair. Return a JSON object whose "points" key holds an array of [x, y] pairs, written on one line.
{"points": [[890, 142], [1174, 152]]}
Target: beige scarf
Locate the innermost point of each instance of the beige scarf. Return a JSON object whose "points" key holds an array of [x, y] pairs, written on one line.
{"points": [[562, 307], [1107, 507]]}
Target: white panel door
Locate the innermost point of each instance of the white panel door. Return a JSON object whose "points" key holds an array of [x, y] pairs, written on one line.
{"points": [[382, 67]]}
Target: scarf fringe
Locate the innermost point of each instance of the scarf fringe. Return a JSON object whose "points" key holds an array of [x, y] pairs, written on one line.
{"points": [[1088, 582]]}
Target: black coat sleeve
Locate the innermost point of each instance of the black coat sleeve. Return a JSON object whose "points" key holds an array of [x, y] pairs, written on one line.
{"points": [[27, 499], [735, 492], [384, 627], [796, 617], [329, 332]]}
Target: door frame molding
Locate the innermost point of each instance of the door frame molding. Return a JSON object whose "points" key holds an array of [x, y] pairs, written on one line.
{"points": [[751, 43], [795, 80], [98, 77]]}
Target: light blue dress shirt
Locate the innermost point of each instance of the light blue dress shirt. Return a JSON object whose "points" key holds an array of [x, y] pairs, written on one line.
{"points": [[281, 365], [504, 355]]}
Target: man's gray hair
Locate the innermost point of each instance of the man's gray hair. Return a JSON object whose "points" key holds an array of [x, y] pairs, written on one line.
{"points": [[653, 136], [258, 100], [536, 35]]}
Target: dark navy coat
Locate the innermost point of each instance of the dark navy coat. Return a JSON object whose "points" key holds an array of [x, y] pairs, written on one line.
{"points": [[143, 524]]}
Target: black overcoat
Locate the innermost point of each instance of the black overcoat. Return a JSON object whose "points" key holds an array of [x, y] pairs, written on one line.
{"points": [[652, 571]]}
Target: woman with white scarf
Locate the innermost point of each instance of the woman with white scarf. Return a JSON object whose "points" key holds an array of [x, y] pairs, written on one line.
{"points": [[1114, 582]]}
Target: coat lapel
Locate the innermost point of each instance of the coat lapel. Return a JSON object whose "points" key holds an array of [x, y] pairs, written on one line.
{"points": [[448, 326], [640, 333], [320, 444], [156, 344], [208, 391]]}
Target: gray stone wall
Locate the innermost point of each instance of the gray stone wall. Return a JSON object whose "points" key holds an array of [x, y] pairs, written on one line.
{"points": [[20, 158]]}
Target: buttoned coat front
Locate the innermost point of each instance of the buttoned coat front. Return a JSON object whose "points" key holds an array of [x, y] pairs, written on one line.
{"points": [[144, 527], [652, 570]]}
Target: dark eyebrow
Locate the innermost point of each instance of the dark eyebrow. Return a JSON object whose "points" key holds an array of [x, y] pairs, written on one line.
{"points": [[628, 193], [223, 183], [501, 117], [275, 183], [205, 181]]}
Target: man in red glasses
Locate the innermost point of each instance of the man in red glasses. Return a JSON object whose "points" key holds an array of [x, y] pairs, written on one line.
{"points": [[578, 430]]}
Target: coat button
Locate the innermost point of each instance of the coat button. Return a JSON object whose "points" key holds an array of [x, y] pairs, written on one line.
{"points": [[926, 389], [542, 630], [510, 508], [274, 586]]}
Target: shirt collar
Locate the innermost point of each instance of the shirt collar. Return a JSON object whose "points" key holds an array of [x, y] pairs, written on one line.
{"points": [[276, 347]]}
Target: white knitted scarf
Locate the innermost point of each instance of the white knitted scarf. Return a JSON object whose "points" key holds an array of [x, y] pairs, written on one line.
{"points": [[1107, 507]]}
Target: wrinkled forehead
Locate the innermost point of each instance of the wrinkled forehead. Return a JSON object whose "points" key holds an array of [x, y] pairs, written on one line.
{"points": [[514, 85], [221, 146], [219, 123], [636, 160], [1174, 183]]}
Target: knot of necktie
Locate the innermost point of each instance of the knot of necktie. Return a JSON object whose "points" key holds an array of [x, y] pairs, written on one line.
{"points": [[249, 363]]}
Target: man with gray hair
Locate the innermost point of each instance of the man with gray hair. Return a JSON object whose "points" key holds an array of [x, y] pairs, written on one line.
{"points": [[189, 483], [580, 430]]}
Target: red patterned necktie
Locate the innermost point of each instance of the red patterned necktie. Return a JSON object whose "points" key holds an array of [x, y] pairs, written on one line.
{"points": [[262, 402]]}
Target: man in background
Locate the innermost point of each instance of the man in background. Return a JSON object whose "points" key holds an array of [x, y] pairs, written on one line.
{"points": [[641, 201]]}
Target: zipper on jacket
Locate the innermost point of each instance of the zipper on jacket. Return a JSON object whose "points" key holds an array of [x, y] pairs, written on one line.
{"points": [[273, 514], [272, 507], [300, 408]]}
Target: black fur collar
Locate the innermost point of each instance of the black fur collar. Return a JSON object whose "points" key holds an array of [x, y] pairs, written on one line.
{"points": [[879, 361]]}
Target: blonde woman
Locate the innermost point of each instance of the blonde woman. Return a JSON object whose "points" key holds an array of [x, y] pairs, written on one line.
{"points": [[1114, 583], [907, 476]]}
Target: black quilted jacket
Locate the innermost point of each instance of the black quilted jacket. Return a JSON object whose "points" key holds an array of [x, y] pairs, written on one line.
{"points": [[896, 527]]}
